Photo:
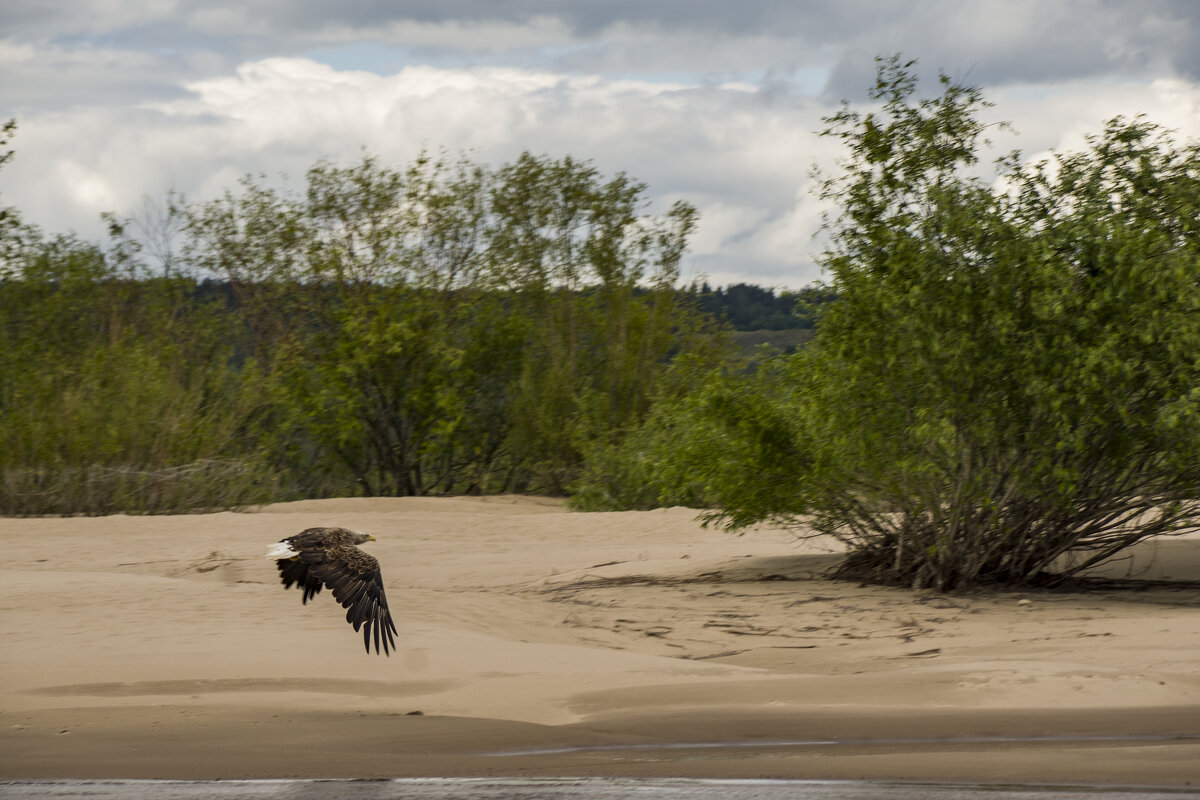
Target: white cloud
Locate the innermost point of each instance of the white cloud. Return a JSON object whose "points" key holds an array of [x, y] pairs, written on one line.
{"points": [[739, 155], [86, 187], [1060, 117], [119, 99]]}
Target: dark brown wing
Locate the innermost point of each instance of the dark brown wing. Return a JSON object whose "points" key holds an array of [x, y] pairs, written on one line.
{"points": [[295, 571], [354, 578]]}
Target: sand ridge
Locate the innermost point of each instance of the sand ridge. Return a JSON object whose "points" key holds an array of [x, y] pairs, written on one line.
{"points": [[164, 647]]}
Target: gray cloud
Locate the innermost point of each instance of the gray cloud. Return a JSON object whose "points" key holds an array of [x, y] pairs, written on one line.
{"points": [[998, 41], [1024, 41], [709, 101], [98, 51]]}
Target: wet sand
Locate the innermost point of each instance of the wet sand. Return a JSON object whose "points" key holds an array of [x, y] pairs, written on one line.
{"points": [[539, 642], [565, 789]]}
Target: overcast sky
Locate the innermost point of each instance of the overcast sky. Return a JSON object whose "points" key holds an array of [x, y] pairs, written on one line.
{"points": [[716, 102]]}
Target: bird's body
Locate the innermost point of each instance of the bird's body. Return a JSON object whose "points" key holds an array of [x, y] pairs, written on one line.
{"points": [[328, 557]]}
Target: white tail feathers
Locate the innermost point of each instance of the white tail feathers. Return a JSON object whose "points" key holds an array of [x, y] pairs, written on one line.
{"points": [[281, 550]]}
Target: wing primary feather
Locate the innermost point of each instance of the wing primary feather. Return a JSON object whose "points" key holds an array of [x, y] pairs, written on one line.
{"points": [[357, 591]]}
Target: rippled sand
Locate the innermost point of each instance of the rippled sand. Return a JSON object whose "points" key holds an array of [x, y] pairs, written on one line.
{"points": [[536, 641]]}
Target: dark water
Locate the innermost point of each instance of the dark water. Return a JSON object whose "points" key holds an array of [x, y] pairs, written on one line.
{"points": [[813, 743], [566, 789]]}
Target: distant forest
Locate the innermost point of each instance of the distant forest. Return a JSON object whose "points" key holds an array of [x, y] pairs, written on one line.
{"points": [[744, 307]]}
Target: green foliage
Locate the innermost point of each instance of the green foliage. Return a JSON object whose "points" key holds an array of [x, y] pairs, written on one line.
{"points": [[1006, 385], [698, 444], [440, 328], [114, 394], [16, 236], [450, 328], [596, 278]]}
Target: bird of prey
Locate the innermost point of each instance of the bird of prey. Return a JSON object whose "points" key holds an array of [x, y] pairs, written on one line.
{"points": [[328, 557]]}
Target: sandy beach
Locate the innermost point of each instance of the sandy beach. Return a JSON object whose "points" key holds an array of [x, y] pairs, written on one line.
{"points": [[538, 641]]}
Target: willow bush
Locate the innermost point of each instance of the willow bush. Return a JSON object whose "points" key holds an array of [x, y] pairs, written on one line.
{"points": [[1007, 387]]}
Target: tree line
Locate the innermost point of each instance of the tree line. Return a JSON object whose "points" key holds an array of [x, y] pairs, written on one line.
{"points": [[441, 328], [1002, 382]]}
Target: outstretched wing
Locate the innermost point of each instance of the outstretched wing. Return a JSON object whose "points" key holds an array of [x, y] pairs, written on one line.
{"points": [[295, 571], [354, 578]]}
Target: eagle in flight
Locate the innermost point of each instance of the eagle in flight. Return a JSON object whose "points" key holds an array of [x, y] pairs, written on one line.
{"points": [[328, 557]]}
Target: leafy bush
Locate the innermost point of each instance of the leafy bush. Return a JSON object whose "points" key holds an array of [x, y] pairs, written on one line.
{"points": [[450, 327], [115, 394], [441, 328], [1008, 384]]}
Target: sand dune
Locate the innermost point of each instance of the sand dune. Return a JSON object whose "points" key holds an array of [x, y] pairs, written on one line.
{"points": [[536, 641]]}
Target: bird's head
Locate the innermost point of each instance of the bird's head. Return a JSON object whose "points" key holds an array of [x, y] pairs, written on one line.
{"points": [[359, 538]]}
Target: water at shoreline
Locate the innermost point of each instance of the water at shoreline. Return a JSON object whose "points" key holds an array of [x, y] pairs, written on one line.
{"points": [[565, 789]]}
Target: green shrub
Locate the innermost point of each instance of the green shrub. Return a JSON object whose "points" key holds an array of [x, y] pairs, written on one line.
{"points": [[1006, 377]]}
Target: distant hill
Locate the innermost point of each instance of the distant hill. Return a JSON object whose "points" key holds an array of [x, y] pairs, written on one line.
{"points": [[746, 307]]}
